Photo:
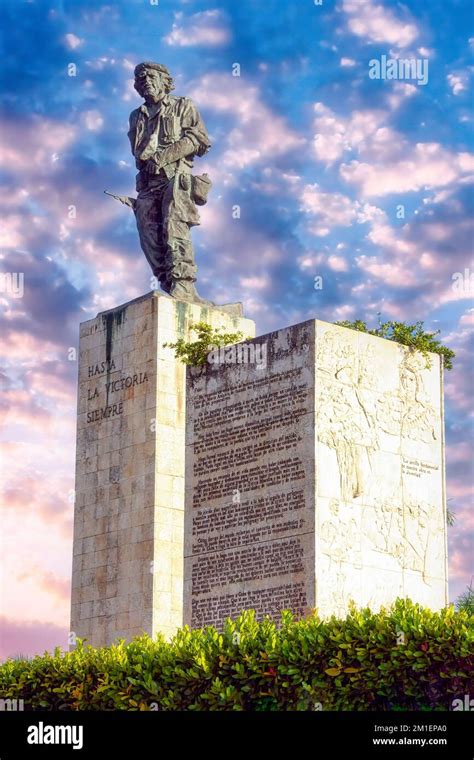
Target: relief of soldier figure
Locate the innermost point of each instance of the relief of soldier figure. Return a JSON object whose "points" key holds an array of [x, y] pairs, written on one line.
{"points": [[166, 133]]}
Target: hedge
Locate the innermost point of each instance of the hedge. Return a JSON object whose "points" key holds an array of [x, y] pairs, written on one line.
{"points": [[404, 658]]}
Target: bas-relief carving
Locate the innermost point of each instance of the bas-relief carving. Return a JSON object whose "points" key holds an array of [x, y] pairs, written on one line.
{"points": [[363, 430], [407, 532], [340, 546]]}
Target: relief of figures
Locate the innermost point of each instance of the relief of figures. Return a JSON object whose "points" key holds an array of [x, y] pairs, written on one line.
{"points": [[355, 419]]}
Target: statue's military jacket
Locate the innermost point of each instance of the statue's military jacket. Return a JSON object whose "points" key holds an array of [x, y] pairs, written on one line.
{"points": [[176, 119]]}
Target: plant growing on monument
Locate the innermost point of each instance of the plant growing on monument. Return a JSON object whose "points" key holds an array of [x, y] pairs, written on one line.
{"points": [[194, 353], [414, 336]]}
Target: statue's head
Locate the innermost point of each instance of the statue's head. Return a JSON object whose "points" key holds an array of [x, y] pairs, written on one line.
{"points": [[152, 81]]}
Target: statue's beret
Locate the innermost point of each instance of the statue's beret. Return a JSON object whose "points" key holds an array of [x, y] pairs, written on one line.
{"points": [[140, 68]]}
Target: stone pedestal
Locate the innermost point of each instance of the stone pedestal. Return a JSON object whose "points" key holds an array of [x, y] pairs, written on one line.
{"points": [[128, 525], [314, 476]]}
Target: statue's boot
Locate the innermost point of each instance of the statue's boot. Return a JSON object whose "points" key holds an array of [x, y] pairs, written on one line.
{"points": [[184, 290]]}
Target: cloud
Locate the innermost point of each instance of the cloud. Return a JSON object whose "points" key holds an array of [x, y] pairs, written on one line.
{"points": [[205, 29], [424, 252], [458, 386], [338, 264], [418, 167], [257, 133], [460, 564], [457, 82], [330, 209], [93, 120], [375, 23], [335, 135], [72, 41], [389, 162], [333, 209], [30, 637], [49, 300], [467, 318], [400, 93], [49, 582], [44, 138]]}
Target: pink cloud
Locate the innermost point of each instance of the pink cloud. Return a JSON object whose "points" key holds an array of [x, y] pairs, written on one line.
{"points": [[11, 232], [23, 492], [395, 273], [259, 133], [44, 138], [335, 134], [386, 161], [460, 564], [376, 23], [467, 318], [458, 384], [30, 637], [255, 283], [338, 264], [343, 312], [329, 209], [72, 41], [427, 165], [49, 582]]}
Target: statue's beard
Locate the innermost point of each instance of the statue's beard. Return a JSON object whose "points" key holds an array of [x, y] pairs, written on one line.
{"points": [[153, 94]]}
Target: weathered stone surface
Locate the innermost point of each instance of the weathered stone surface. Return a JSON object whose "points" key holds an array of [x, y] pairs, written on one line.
{"points": [[129, 510], [316, 479]]}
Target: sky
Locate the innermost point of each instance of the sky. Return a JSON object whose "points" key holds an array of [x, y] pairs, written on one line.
{"points": [[364, 182]]}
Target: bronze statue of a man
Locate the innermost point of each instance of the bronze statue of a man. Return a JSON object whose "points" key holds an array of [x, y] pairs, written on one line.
{"points": [[166, 132]]}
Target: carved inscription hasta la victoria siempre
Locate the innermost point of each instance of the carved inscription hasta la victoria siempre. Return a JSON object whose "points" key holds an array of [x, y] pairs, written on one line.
{"points": [[116, 385]]}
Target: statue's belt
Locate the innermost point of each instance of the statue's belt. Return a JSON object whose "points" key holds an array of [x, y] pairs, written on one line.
{"points": [[161, 176], [197, 185]]}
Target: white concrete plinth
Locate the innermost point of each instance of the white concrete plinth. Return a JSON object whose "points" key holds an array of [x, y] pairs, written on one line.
{"points": [[129, 508], [314, 479]]}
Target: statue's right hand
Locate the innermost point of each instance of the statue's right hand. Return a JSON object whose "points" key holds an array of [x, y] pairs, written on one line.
{"points": [[153, 165]]}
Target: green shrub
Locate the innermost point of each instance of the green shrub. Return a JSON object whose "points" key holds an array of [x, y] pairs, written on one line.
{"points": [[194, 353], [414, 336], [407, 658]]}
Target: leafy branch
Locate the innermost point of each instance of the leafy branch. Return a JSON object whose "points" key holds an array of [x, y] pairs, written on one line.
{"points": [[194, 353], [414, 336]]}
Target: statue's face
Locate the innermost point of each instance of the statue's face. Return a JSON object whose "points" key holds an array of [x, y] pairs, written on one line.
{"points": [[150, 85]]}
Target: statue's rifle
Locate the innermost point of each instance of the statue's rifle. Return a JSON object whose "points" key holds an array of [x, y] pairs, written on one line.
{"points": [[125, 199]]}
